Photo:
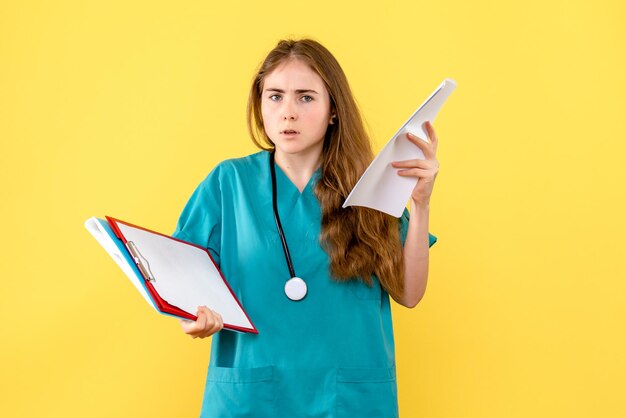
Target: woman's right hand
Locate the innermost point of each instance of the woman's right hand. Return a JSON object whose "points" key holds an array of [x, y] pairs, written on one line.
{"points": [[208, 323]]}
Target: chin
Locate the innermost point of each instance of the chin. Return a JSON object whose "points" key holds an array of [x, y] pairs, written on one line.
{"points": [[290, 148], [295, 147]]}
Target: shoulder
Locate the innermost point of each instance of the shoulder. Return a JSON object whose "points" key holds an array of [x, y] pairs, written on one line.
{"points": [[233, 168], [250, 163]]}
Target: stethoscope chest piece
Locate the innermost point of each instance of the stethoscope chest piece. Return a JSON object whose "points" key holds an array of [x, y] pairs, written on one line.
{"points": [[295, 288]]}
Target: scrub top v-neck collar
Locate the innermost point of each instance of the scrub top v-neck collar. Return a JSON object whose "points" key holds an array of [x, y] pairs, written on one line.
{"points": [[280, 174]]}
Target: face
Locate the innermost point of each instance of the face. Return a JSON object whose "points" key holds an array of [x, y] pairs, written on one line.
{"points": [[296, 108]]}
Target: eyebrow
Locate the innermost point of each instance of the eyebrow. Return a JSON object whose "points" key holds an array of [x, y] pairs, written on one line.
{"points": [[298, 91]]}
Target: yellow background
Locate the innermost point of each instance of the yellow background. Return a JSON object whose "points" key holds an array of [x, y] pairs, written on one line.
{"points": [[120, 108]]}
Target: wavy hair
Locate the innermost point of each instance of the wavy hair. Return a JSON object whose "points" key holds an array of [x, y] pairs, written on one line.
{"points": [[359, 241]]}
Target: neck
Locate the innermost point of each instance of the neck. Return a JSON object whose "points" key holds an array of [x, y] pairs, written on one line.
{"points": [[298, 167]]}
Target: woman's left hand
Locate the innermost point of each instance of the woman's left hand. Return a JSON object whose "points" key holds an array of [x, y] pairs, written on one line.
{"points": [[425, 170]]}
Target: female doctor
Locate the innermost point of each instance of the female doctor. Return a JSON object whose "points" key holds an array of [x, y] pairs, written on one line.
{"points": [[315, 278]]}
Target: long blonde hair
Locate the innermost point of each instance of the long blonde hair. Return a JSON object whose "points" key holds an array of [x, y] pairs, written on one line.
{"points": [[359, 241]]}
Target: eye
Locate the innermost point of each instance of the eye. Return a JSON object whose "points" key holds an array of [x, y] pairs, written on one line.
{"points": [[306, 99], [275, 97]]}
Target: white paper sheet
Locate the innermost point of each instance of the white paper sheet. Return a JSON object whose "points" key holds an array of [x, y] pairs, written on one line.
{"points": [[380, 187]]}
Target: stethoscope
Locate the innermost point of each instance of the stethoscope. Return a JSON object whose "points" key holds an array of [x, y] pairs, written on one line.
{"points": [[295, 288]]}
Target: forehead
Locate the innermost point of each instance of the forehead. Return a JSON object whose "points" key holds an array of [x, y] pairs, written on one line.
{"points": [[293, 74]]}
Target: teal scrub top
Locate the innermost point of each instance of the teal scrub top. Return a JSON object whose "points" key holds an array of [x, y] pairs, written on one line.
{"points": [[328, 355]]}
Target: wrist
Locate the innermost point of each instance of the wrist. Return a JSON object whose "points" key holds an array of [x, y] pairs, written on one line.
{"points": [[420, 206]]}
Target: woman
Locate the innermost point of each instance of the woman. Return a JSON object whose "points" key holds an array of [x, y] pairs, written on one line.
{"points": [[325, 346]]}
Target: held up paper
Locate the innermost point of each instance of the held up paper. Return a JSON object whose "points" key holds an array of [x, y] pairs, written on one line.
{"points": [[380, 187]]}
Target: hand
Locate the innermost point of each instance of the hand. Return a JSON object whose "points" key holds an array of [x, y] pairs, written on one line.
{"points": [[425, 170], [208, 323]]}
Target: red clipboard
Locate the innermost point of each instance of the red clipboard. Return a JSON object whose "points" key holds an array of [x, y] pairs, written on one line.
{"points": [[152, 254]]}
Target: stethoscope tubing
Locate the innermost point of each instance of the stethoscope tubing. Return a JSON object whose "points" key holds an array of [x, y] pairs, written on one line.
{"points": [[279, 226]]}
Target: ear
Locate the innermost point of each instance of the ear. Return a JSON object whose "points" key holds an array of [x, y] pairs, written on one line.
{"points": [[332, 119]]}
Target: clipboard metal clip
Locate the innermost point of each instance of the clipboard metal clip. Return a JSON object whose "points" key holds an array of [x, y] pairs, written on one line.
{"points": [[141, 261]]}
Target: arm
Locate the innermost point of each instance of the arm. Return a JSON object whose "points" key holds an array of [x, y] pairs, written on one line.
{"points": [[200, 223], [416, 246], [416, 249]]}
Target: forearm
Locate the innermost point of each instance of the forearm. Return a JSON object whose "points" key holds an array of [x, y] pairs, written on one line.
{"points": [[416, 249]]}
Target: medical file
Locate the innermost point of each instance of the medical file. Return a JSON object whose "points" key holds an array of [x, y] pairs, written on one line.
{"points": [[380, 187], [175, 277]]}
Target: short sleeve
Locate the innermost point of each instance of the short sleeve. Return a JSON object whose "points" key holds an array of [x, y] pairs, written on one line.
{"points": [[201, 220], [404, 227]]}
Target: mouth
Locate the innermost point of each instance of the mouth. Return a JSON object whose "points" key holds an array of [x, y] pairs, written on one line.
{"points": [[289, 132]]}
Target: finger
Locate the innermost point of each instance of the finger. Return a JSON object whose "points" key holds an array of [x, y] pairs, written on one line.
{"points": [[410, 164], [211, 320], [215, 327], [417, 172], [190, 328], [426, 147], [432, 135], [206, 311], [420, 142], [201, 322], [186, 324], [219, 323], [424, 165]]}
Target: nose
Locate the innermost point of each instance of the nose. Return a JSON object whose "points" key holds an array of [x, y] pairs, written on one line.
{"points": [[289, 112]]}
